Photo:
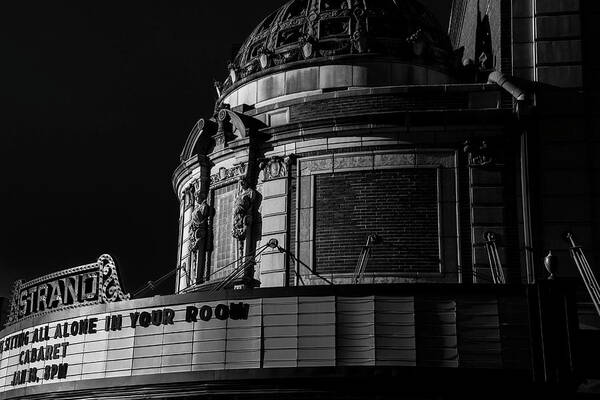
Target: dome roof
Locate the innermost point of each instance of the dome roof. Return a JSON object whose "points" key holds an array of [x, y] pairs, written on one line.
{"points": [[308, 30]]}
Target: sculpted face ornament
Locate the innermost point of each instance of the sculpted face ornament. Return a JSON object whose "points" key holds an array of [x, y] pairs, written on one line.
{"points": [[275, 169], [307, 46], [223, 173], [265, 58]]}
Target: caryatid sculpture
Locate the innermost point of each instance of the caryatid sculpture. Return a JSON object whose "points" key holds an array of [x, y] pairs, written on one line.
{"points": [[242, 212], [199, 231]]}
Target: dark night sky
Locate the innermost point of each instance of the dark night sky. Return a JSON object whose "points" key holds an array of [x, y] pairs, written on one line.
{"points": [[98, 100]]}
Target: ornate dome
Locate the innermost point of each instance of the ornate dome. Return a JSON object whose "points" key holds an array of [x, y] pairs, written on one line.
{"points": [[309, 30]]}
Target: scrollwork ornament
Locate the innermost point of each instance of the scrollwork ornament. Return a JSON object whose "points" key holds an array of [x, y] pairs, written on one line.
{"points": [[110, 287], [13, 306], [222, 116], [359, 41]]}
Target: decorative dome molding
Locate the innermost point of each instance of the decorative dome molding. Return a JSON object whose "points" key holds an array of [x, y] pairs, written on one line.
{"points": [[311, 31]]}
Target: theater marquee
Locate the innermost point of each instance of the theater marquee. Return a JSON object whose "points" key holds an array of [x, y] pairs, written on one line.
{"points": [[182, 338], [57, 351]]}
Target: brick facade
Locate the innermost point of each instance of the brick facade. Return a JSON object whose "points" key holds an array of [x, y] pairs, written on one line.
{"points": [[348, 106], [400, 206]]}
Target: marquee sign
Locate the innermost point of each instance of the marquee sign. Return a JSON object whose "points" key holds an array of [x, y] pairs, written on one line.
{"points": [[46, 353], [84, 285], [134, 342]]}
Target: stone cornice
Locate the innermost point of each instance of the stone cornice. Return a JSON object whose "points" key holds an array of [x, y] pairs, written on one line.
{"points": [[332, 60]]}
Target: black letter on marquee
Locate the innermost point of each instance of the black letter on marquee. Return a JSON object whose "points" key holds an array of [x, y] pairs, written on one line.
{"points": [[62, 370], [74, 328], [168, 316], [92, 325], [145, 319], [117, 322], [157, 316], [134, 317], [191, 314], [239, 310], [222, 312], [53, 371], [206, 313]]}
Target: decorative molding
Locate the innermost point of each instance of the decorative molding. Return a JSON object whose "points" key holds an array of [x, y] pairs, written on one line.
{"points": [[191, 140], [202, 126], [376, 160]]}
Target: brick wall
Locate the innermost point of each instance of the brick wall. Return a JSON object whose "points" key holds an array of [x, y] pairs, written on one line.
{"points": [[400, 206], [347, 106]]}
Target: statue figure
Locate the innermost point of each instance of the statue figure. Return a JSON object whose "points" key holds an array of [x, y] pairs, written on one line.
{"points": [[199, 237], [199, 225], [242, 210]]}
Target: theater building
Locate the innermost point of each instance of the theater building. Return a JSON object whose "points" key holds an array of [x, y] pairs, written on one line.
{"points": [[378, 208]]}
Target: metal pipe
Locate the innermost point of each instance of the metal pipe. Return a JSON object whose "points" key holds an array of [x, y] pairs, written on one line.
{"points": [[505, 83]]}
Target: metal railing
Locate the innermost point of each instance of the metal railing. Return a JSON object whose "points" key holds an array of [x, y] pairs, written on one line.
{"points": [[363, 258], [494, 258], [586, 272]]}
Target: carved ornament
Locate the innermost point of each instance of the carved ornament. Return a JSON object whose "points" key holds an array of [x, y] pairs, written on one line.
{"points": [[478, 154], [229, 174], [275, 167], [199, 225], [368, 31], [243, 207]]}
